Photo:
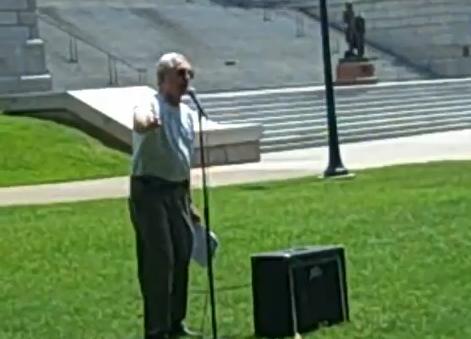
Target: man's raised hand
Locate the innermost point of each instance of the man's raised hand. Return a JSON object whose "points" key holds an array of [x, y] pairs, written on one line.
{"points": [[145, 119]]}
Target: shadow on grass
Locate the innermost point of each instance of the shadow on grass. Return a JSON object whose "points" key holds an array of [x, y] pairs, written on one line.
{"points": [[236, 336], [254, 188]]}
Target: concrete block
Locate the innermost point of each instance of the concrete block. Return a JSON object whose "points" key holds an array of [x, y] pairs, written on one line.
{"points": [[8, 18], [109, 109], [8, 84], [229, 153], [21, 84], [13, 4], [35, 83], [46, 101], [31, 4], [452, 67], [215, 155], [13, 34], [10, 61], [245, 152], [34, 60], [27, 59], [28, 18], [441, 51], [33, 32], [442, 37]]}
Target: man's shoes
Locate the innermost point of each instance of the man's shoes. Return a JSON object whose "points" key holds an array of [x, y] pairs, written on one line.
{"points": [[181, 331]]}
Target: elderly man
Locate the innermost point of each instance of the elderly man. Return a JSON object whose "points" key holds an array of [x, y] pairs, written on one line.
{"points": [[160, 204]]}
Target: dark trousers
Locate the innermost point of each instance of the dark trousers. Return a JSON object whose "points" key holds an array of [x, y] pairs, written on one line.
{"points": [[160, 214]]}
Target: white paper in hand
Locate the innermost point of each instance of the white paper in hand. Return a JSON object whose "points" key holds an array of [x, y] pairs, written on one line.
{"points": [[199, 254]]}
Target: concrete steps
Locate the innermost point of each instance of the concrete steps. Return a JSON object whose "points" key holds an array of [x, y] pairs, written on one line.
{"points": [[305, 113], [227, 40], [296, 117], [295, 104]]}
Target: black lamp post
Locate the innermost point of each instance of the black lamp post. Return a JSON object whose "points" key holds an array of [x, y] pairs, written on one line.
{"points": [[335, 166]]}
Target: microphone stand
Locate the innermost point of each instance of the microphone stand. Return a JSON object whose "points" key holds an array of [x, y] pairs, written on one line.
{"points": [[202, 113]]}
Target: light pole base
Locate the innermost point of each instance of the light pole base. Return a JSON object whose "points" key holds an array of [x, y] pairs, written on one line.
{"points": [[337, 174]]}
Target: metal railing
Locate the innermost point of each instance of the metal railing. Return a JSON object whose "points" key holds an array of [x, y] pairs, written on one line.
{"points": [[113, 59]]}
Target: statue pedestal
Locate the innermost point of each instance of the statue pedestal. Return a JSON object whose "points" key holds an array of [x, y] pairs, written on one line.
{"points": [[355, 72]]}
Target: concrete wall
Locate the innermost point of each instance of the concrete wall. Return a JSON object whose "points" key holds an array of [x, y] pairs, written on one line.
{"points": [[22, 56], [106, 114]]}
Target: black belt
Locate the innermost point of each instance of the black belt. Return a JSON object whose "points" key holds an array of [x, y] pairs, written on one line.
{"points": [[154, 182]]}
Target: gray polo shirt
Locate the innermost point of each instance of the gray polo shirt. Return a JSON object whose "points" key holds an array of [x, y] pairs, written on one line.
{"points": [[165, 151]]}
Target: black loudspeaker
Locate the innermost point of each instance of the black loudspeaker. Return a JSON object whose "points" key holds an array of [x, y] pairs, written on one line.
{"points": [[298, 290]]}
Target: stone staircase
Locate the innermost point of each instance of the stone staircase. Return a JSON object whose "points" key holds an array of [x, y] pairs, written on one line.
{"points": [[110, 38], [296, 117], [432, 35]]}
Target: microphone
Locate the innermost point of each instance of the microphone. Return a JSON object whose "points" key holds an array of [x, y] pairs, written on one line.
{"points": [[191, 92]]}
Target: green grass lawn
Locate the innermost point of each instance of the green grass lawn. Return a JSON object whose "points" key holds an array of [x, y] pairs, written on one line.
{"points": [[68, 271], [35, 151]]}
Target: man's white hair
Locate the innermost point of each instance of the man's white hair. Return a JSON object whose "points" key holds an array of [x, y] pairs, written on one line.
{"points": [[167, 62]]}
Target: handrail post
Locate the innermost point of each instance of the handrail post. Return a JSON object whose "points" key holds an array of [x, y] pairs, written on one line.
{"points": [[142, 75], [112, 71], [113, 74], [115, 69], [299, 25], [73, 51]]}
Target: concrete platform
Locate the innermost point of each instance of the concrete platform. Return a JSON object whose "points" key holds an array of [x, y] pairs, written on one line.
{"points": [[106, 113]]}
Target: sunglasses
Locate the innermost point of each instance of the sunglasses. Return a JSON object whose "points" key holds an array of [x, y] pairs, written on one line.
{"points": [[183, 72]]}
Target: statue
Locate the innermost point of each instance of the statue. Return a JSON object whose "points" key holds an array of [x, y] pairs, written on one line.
{"points": [[355, 67], [348, 20], [355, 29]]}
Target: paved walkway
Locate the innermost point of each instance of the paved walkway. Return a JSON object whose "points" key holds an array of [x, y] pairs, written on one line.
{"points": [[273, 166]]}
